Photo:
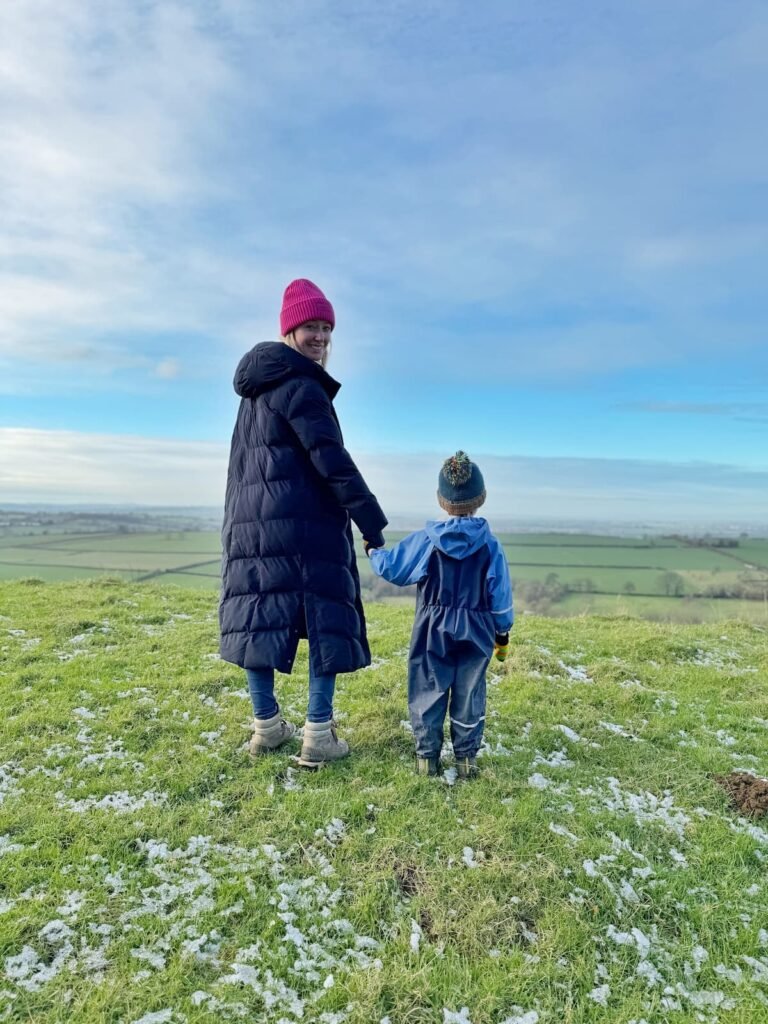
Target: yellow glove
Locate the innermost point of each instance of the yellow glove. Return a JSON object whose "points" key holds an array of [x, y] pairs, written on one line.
{"points": [[501, 646]]}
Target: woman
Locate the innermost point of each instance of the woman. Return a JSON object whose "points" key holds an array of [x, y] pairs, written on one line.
{"points": [[289, 568]]}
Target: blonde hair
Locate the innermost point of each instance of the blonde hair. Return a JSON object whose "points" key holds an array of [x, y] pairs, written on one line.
{"points": [[290, 340]]}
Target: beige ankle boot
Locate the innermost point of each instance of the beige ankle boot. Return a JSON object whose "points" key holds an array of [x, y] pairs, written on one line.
{"points": [[321, 744], [269, 734]]}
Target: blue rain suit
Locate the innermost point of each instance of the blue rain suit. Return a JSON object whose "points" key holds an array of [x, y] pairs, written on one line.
{"points": [[464, 598]]}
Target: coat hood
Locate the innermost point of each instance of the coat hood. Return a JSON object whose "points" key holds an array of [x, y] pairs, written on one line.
{"points": [[459, 536], [272, 363]]}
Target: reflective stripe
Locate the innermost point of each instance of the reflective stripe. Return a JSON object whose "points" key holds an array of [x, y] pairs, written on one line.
{"points": [[503, 610], [468, 725]]}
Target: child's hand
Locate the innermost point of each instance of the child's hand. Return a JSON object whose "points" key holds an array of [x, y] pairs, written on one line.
{"points": [[369, 546], [501, 646]]}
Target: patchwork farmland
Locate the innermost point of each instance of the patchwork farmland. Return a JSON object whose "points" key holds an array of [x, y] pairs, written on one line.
{"points": [[673, 578]]}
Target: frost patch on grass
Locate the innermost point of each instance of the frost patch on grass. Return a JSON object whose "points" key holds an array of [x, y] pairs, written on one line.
{"points": [[121, 802], [631, 684], [136, 692], [291, 780], [113, 751], [83, 713], [619, 730], [539, 781], [724, 661], [645, 808], [753, 831], [6, 846], [69, 655], [561, 830], [158, 1017], [759, 968], [212, 737], [557, 759], [183, 886], [569, 733], [456, 1017], [376, 663], [333, 833], [72, 905], [493, 747], [521, 1016], [636, 938], [471, 859], [600, 995], [149, 956], [30, 972], [10, 774], [576, 672]]}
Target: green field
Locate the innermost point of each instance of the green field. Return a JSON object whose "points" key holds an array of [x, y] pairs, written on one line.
{"points": [[595, 872], [665, 609], [589, 571]]}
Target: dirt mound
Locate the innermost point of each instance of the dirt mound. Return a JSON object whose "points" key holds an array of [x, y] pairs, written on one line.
{"points": [[748, 793]]}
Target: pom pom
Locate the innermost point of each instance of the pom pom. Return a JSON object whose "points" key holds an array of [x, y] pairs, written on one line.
{"points": [[457, 469]]}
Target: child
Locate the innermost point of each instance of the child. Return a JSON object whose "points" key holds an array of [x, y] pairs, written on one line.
{"points": [[463, 615]]}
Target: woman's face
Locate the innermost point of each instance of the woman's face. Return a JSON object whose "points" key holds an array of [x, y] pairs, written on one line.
{"points": [[312, 339]]}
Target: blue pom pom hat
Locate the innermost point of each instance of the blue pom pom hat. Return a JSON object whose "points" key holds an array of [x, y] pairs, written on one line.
{"points": [[460, 486]]}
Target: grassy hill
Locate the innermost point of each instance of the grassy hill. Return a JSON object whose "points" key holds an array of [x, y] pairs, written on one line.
{"points": [[596, 872]]}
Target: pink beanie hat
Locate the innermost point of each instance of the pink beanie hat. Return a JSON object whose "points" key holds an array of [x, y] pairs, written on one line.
{"points": [[304, 301]]}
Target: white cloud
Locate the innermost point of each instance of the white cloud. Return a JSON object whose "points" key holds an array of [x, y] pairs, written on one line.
{"points": [[522, 488], [109, 111], [168, 369], [507, 165], [67, 466]]}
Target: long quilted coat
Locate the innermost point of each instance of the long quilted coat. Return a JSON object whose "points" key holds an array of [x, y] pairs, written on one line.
{"points": [[288, 566]]}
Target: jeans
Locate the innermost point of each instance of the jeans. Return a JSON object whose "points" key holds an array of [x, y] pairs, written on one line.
{"points": [[261, 685]]}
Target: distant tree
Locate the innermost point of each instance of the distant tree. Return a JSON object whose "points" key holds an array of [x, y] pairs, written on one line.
{"points": [[584, 585], [672, 584], [533, 596], [630, 588]]}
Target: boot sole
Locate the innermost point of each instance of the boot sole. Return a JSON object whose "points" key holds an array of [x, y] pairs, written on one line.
{"points": [[312, 763]]}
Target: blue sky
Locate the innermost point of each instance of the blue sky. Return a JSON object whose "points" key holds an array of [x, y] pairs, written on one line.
{"points": [[544, 230]]}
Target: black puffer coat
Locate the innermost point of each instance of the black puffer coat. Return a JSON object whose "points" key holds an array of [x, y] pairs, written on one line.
{"points": [[288, 568]]}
